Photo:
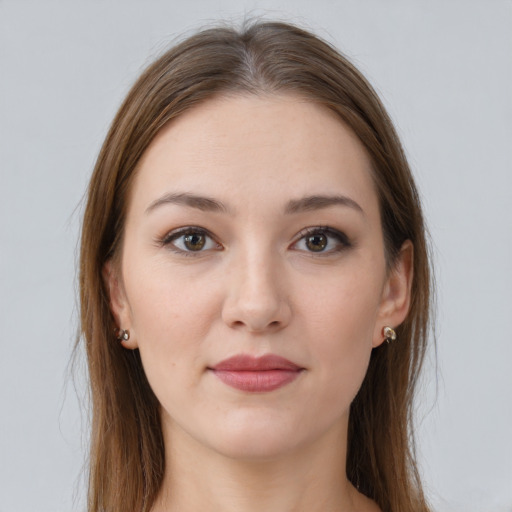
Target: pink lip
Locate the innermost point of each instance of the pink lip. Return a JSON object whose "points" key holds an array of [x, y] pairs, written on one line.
{"points": [[256, 374]]}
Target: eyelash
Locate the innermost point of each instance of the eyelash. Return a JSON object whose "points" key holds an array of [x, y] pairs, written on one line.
{"points": [[341, 239], [169, 238]]}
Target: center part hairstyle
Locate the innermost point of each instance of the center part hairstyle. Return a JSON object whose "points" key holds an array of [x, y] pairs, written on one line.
{"points": [[265, 58]]}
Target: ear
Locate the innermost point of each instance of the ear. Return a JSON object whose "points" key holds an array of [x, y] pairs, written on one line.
{"points": [[396, 295], [119, 305]]}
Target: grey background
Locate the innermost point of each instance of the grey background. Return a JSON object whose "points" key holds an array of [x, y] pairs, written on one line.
{"points": [[443, 69]]}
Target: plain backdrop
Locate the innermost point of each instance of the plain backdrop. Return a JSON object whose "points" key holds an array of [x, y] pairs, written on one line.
{"points": [[444, 71]]}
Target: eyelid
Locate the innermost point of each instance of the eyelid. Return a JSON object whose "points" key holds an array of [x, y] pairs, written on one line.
{"points": [[168, 239], [342, 239]]}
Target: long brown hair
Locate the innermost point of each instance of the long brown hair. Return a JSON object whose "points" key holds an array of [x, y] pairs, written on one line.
{"points": [[127, 450]]}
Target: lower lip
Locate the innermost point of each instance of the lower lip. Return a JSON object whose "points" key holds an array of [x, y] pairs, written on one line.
{"points": [[257, 381]]}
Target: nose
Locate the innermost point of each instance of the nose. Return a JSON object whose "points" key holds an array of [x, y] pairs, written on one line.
{"points": [[256, 298]]}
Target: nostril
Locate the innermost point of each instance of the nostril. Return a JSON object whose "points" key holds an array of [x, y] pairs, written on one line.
{"points": [[274, 325], [256, 311]]}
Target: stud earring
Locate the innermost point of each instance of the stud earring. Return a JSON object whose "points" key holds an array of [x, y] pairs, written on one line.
{"points": [[389, 334], [122, 334]]}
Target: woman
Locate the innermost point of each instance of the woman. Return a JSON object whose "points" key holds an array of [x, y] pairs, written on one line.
{"points": [[255, 286]]}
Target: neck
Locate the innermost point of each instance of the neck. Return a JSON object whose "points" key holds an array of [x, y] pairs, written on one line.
{"points": [[311, 478]]}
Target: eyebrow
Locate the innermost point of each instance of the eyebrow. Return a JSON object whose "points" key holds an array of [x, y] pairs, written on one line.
{"points": [[208, 204], [205, 204], [317, 202]]}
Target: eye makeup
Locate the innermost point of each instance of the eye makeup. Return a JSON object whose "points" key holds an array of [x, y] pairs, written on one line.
{"points": [[189, 241], [315, 240], [321, 241]]}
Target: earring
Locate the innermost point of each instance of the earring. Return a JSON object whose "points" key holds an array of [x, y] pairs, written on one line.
{"points": [[389, 334], [122, 334]]}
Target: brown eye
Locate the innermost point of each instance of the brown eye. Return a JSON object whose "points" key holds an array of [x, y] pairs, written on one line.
{"points": [[194, 241], [322, 241], [317, 242], [190, 240]]}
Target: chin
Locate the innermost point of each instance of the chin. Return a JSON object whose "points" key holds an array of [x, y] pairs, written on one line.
{"points": [[251, 447], [257, 438]]}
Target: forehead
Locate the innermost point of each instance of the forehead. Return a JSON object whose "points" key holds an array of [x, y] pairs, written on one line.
{"points": [[253, 148]]}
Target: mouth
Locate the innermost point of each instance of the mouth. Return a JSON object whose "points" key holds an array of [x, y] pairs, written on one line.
{"points": [[256, 374]]}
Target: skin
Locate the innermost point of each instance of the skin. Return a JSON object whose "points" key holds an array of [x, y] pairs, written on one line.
{"points": [[256, 288]]}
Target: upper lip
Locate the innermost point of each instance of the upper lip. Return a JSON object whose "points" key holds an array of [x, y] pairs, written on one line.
{"points": [[245, 362]]}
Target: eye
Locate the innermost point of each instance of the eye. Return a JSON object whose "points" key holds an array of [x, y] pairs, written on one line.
{"points": [[316, 242], [324, 240], [190, 240]]}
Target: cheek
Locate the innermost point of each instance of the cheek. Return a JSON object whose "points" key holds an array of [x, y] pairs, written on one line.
{"points": [[341, 327], [168, 304], [171, 317]]}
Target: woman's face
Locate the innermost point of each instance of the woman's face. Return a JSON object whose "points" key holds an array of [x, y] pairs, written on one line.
{"points": [[253, 230]]}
